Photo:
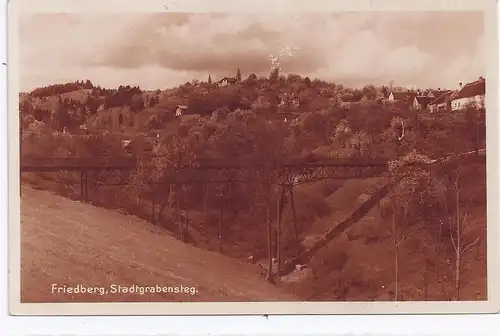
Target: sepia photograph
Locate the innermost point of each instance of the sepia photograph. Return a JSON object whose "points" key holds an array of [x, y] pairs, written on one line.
{"points": [[252, 157]]}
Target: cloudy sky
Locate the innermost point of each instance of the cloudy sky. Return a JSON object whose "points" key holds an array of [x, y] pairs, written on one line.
{"points": [[426, 49]]}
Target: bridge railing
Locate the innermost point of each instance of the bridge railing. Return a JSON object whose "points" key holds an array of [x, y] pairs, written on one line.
{"points": [[46, 164], [36, 163], [296, 163]]}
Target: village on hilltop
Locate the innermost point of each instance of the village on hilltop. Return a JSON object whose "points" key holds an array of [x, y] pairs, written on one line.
{"points": [[444, 100], [83, 108], [432, 100]]}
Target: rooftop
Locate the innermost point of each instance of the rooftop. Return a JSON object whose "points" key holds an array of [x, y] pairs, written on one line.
{"points": [[472, 89], [442, 98]]}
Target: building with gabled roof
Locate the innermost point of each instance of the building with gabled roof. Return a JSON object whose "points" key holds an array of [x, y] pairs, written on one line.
{"points": [[421, 102], [431, 93], [402, 97], [441, 103], [397, 96], [226, 81], [473, 92]]}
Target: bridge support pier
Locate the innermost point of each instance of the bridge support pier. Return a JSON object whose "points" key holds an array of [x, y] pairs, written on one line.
{"points": [[295, 224], [284, 195], [84, 186], [280, 206]]}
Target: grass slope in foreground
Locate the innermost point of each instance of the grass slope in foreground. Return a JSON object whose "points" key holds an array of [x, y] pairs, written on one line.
{"points": [[68, 243]]}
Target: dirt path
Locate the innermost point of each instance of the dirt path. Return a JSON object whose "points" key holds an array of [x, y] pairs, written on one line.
{"points": [[65, 243]]}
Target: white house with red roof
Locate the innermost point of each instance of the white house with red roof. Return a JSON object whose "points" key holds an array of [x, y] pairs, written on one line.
{"points": [[472, 92]]}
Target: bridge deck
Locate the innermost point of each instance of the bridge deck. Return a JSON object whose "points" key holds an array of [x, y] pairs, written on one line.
{"points": [[30, 164], [54, 164]]}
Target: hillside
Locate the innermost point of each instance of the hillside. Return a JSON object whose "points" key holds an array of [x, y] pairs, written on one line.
{"points": [[359, 265], [68, 243]]}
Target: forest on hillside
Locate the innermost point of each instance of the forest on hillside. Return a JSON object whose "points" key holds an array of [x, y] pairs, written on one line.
{"points": [[248, 120]]}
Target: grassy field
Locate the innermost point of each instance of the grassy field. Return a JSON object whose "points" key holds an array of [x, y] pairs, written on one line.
{"points": [[68, 243]]}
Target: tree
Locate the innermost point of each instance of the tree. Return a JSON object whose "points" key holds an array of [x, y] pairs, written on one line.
{"points": [[261, 106], [209, 79], [399, 232], [204, 105], [153, 101], [412, 195], [360, 142], [238, 75], [62, 116], [399, 136], [385, 91], [264, 144], [137, 103], [274, 75], [26, 107], [370, 92], [458, 231], [472, 119], [342, 133], [157, 174]]}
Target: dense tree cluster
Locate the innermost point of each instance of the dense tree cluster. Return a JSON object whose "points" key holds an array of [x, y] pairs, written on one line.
{"points": [[125, 96], [58, 89]]}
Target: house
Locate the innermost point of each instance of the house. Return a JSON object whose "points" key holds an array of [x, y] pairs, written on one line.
{"points": [[435, 93], [226, 81], [223, 82], [180, 110], [402, 97], [421, 102], [441, 103], [470, 93], [396, 96]]}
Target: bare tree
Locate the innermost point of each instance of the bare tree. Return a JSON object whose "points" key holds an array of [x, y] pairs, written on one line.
{"points": [[458, 225], [221, 218], [411, 195], [400, 232]]}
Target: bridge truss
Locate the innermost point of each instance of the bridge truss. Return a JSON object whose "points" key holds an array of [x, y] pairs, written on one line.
{"points": [[98, 172]]}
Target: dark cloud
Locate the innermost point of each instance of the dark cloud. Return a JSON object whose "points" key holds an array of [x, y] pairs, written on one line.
{"points": [[169, 47], [422, 48]]}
